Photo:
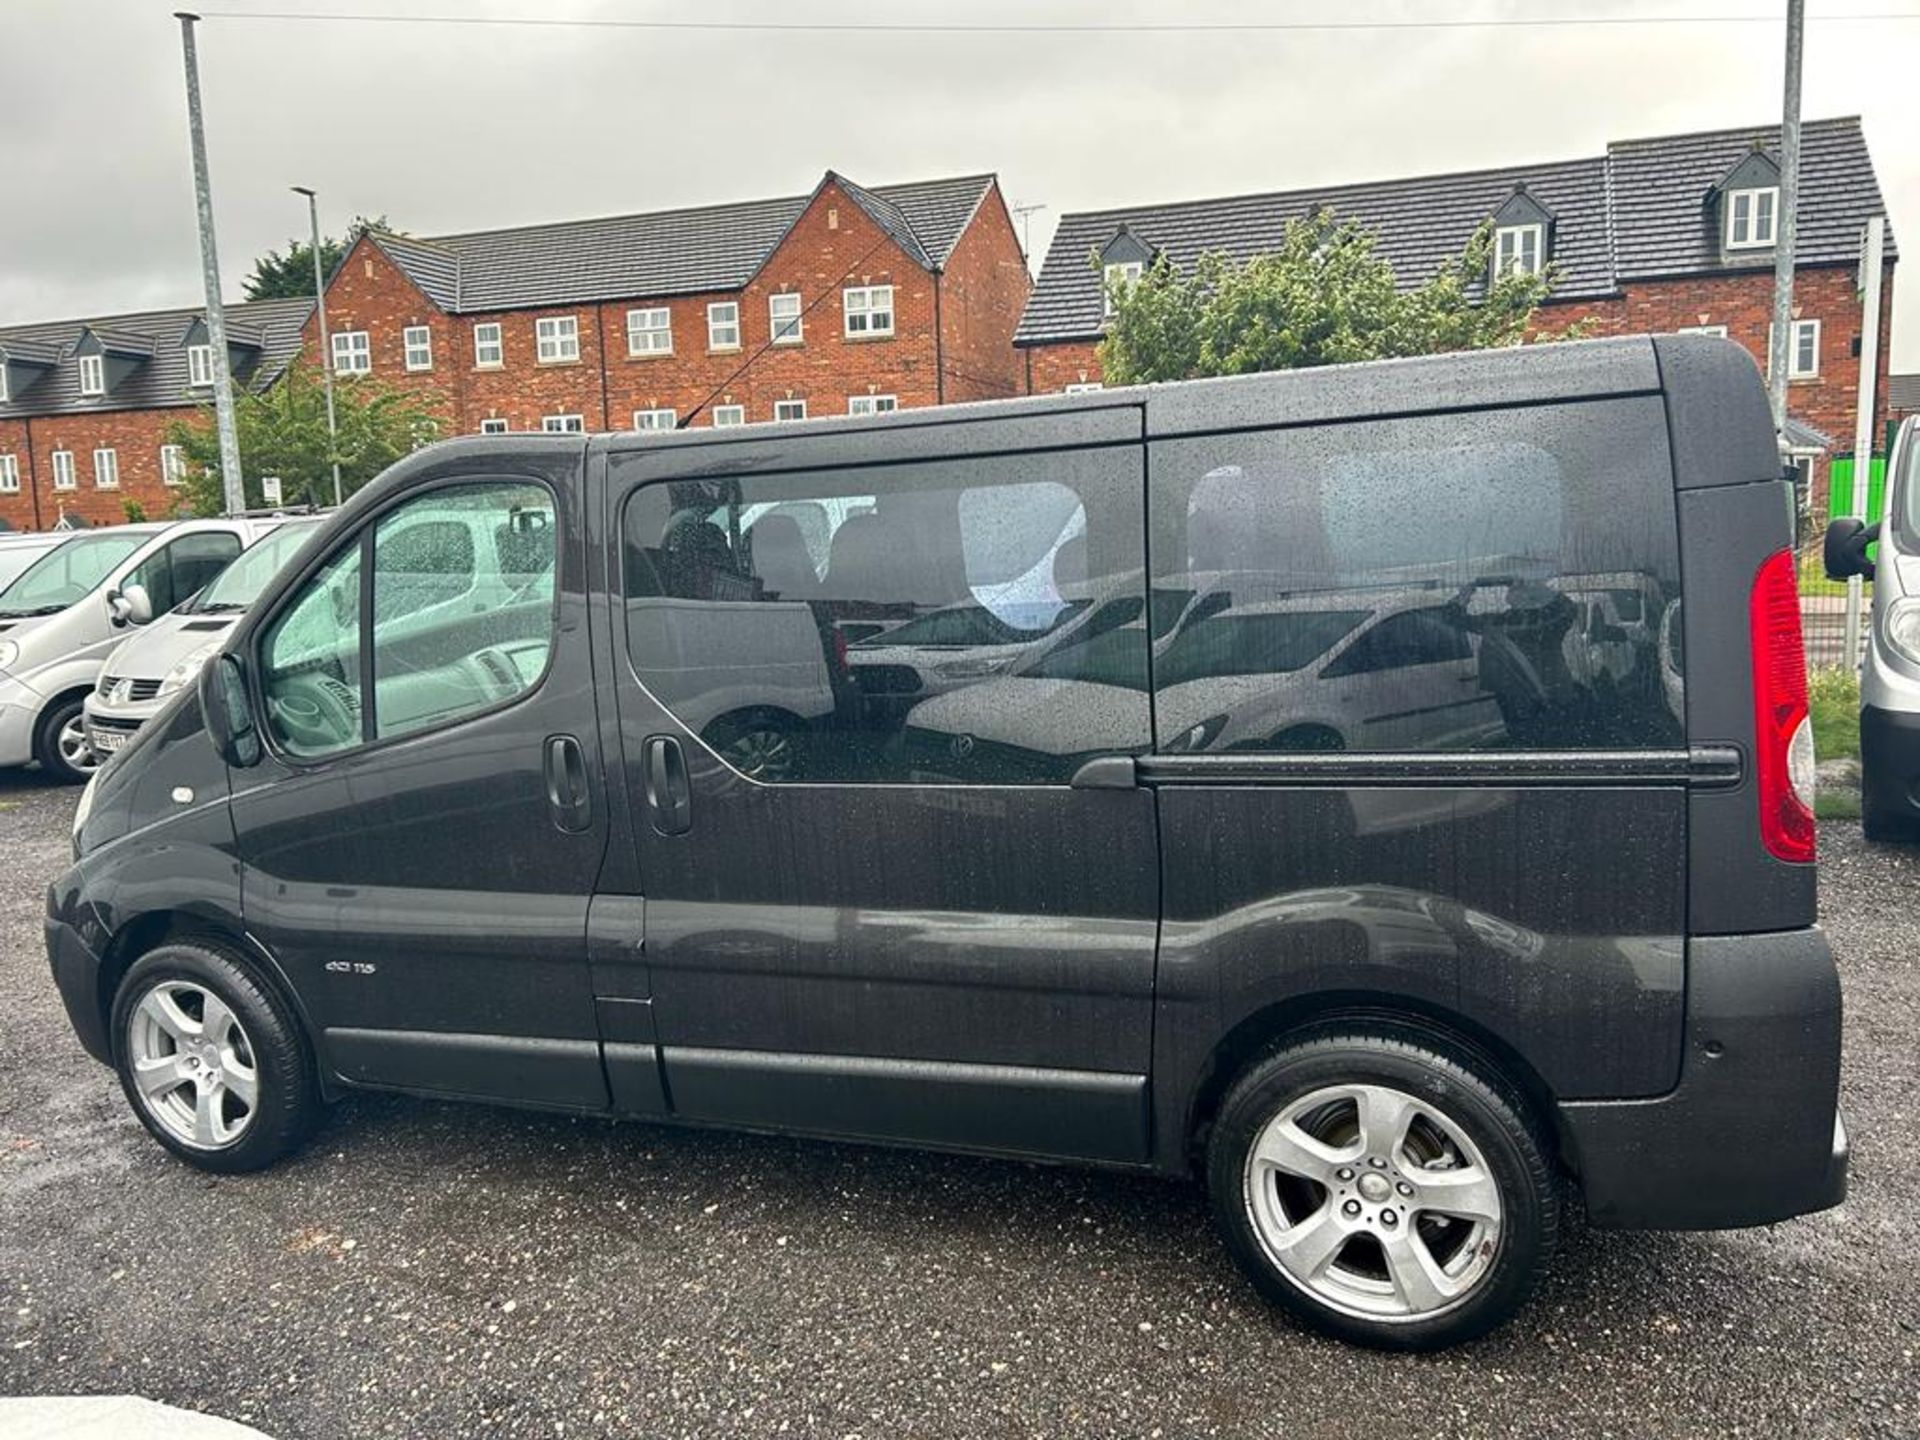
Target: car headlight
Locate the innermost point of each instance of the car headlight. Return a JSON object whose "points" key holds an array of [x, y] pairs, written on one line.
{"points": [[1901, 628], [976, 668], [9, 652], [190, 665]]}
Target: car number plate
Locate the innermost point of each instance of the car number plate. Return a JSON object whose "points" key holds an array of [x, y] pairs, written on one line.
{"points": [[105, 742]]}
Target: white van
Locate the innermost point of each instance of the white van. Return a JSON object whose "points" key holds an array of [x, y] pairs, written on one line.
{"points": [[61, 616]]}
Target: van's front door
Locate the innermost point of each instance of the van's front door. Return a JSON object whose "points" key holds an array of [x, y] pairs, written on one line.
{"points": [[421, 840], [875, 920]]}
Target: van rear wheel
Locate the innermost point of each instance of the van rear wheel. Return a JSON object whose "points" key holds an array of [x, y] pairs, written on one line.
{"points": [[1382, 1191], [212, 1061], [61, 745]]}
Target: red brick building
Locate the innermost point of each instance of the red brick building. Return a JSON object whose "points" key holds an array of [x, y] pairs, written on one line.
{"points": [[85, 405], [1671, 233], [841, 301]]}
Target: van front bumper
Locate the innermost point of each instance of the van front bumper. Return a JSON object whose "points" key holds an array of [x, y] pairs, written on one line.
{"points": [[19, 713], [1752, 1133], [73, 932], [1890, 761]]}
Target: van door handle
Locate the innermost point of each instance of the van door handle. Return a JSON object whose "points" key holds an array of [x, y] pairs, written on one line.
{"points": [[1107, 772], [668, 797], [569, 795]]}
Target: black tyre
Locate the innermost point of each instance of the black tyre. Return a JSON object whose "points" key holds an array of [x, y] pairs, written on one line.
{"points": [[760, 744], [211, 1059], [60, 743], [1382, 1191]]}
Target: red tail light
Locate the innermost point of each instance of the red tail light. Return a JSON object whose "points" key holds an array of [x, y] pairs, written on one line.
{"points": [[840, 649], [1782, 729]]}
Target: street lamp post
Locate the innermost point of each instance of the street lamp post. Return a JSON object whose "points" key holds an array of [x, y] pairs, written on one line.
{"points": [[326, 340]]}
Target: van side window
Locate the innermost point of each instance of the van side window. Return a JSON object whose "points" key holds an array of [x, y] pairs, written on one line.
{"points": [[966, 621], [463, 620], [1448, 582]]}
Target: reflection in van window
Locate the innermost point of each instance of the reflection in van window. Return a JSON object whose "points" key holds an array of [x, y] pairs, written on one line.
{"points": [[463, 620], [890, 624], [1484, 581], [66, 574]]}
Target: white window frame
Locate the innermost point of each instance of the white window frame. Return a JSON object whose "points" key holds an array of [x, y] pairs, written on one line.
{"points": [[1114, 275], [788, 329], [1084, 387], [790, 406], [655, 419], [1719, 332], [93, 374], [718, 326], [106, 468], [199, 366], [355, 355], [9, 473], [866, 304], [556, 339], [495, 425], [1810, 329], [63, 472], [872, 404], [1794, 332], [1743, 218], [649, 331], [563, 424], [173, 466], [726, 415], [416, 342], [1511, 246], [489, 346], [5, 396]]}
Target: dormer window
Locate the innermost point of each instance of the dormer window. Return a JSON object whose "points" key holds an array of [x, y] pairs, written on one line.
{"points": [[1119, 275], [5, 394], [1519, 249], [1753, 217], [199, 365], [93, 375]]}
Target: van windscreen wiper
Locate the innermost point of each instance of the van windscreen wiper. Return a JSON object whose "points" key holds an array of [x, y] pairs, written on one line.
{"points": [[34, 611]]}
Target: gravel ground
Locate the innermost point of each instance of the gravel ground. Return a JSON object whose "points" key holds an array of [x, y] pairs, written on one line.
{"points": [[433, 1269]]}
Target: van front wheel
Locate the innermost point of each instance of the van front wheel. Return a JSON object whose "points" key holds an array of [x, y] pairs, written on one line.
{"points": [[61, 745], [211, 1060], [1382, 1191]]}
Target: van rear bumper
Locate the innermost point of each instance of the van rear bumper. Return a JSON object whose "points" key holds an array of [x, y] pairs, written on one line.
{"points": [[1752, 1133]]}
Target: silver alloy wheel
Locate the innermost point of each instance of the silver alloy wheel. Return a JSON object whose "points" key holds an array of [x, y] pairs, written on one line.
{"points": [[1374, 1202], [74, 747], [193, 1064], [762, 753]]}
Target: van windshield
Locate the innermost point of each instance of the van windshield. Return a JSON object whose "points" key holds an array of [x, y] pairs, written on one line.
{"points": [[240, 584], [66, 574]]}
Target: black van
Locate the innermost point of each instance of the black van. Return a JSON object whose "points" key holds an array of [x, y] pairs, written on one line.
{"points": [[1382, 791]]}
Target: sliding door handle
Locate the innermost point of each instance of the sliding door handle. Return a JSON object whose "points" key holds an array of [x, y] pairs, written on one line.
{"points": [[569, 796], [669, 799]]}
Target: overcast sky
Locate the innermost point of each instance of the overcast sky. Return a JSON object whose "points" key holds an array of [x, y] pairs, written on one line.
{"points": [[445, 128]]}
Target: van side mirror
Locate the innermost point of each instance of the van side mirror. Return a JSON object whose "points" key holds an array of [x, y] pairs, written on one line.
{"points": [[119, 612], [1844, 551], [139, 604], [229, 714]]}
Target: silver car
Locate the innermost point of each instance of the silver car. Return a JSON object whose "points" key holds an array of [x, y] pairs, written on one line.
{"points": [[1890, 672], [63, 613], [166, 655], [18, 551]]}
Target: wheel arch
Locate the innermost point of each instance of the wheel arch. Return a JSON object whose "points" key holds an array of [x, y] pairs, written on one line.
{"points": [[1268, 1028], [141, 934]]}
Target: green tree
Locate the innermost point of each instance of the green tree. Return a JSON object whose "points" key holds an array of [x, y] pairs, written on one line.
{"points": [[1324, 297], [289, 275], [283, 432]]}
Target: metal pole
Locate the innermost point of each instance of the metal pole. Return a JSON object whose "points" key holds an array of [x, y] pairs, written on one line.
{"points": [[236, 494], [1876, 240], [326, 340], [1787, 222]]}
